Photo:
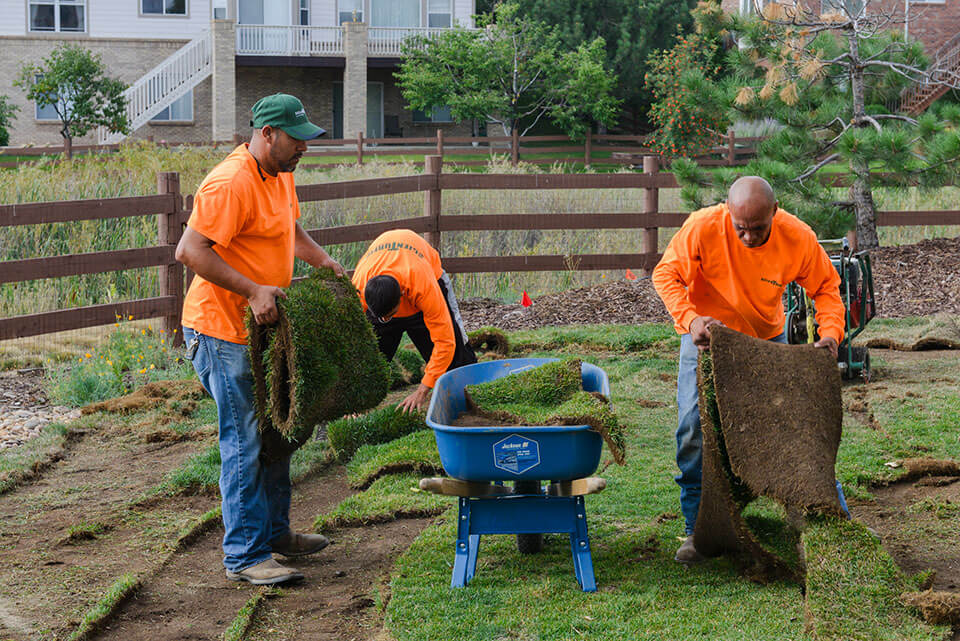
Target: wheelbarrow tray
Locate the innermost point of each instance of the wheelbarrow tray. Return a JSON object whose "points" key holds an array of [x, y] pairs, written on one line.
{"points": [[510, 453]]}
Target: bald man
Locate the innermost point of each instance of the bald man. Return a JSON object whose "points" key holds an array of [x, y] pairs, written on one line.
{"points": [[728, 265]]}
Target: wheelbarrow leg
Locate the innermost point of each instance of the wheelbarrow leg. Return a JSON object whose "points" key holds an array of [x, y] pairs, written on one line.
{"points": [[580, 549], [465, 562]]}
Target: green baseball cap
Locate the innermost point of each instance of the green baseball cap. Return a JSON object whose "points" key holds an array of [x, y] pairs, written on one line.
{"points": [[286, 112]]}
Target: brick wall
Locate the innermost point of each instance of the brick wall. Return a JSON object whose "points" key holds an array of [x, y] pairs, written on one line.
{"points": [[312, 85], [124, 59]]}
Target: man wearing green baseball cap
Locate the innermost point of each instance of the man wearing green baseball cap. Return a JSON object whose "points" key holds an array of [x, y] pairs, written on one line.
{"points": [[241, 241]]}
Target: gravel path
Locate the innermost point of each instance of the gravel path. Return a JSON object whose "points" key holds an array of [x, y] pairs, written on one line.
{"points": [[24, 407]]}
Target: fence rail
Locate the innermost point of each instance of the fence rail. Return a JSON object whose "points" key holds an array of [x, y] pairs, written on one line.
{"points": [[730, 150], [171, 209]]}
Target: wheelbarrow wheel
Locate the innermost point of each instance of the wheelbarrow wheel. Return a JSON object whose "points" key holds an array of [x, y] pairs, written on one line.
{"points": [[528, 543], [862, 355]]}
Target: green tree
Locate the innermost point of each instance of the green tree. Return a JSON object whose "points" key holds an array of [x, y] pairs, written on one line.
{"points": [[686, 126], [511, 71], [833, 80], [631, 31], [8, 113], [73, 81]]}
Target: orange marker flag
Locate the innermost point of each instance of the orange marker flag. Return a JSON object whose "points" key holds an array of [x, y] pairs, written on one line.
{"points": [[525, 300], [631, 275]]}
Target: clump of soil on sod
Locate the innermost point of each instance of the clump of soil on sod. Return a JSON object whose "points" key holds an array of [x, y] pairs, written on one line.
{"points": [[318, 362], [348, 434], [548, 395], [490, 340], [936, 607], [179, 396], [406, 368]]}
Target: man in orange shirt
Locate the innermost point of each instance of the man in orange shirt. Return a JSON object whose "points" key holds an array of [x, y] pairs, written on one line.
{"points": [[729, 265], [241, 241], [404, 289]]}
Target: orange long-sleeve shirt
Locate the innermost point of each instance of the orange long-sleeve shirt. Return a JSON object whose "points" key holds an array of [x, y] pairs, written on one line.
{"points": [[707, 271], [410, 259]]}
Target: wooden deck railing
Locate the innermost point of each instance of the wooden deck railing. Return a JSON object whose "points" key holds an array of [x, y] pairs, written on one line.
{"points": [[171, 212]]}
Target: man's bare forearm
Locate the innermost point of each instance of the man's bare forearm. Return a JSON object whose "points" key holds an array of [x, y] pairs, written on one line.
{"points": [[307, 249], [208, 264]]}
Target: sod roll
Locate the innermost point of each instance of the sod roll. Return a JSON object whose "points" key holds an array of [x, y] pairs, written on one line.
{"points": [[317, 363]]}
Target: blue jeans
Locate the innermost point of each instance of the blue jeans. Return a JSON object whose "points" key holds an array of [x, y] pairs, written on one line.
{"points": [[689, 436], [255, 497]]}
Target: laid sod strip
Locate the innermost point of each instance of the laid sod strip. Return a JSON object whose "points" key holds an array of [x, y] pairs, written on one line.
{"points": [[489, 339], [239, 627], [347, 435], [548, 395], [388, 498], [120, 591], [612, 338], [406, 368], [415, 452], [940, 331], [854, 587], [318, 362], [25, 462]]}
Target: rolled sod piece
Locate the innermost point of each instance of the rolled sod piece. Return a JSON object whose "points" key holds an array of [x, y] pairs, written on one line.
{"points": [[489, 339], [406, 368], [551, 394], [317, 363]]}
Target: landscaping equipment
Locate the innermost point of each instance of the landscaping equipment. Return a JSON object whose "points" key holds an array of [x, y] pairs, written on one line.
{"points": [[856, 291], [480, 458]]}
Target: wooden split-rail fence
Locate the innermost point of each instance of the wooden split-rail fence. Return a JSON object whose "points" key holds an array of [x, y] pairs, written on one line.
{"points": [[172, 209]]}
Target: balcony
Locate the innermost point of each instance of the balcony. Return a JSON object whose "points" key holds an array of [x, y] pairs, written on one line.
{"points": [[281, 40]]}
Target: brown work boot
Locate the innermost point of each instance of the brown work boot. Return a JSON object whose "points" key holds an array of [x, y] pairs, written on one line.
{"points": [[266, 572], [293, 545], [687, 554]]}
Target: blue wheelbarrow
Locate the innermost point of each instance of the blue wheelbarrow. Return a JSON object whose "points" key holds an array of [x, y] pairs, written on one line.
{"points": [[480, 459]]}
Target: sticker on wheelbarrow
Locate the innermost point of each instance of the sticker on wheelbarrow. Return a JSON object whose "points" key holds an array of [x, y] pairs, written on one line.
{"points": [[516, 454]]}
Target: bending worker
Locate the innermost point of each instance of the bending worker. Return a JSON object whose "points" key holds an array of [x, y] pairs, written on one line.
{"points": [[729, 265], [404, 289], [241, 240]]}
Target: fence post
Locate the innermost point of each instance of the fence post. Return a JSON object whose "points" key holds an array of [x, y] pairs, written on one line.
{"points": [[440, 143], [651, 206], [237, 140], [168, 233], [360, 148], [433, 165], [514, 147], [587, 150], [731, 147]]}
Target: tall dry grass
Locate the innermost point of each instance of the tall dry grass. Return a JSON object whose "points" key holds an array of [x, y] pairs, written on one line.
{"points": [[133, 172]]}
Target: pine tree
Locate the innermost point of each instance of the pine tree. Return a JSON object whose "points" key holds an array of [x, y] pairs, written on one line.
{"points": [[833, 81]]}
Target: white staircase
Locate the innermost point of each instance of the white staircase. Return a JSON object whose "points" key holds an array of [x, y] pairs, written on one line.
{"points": [[164, 84]]}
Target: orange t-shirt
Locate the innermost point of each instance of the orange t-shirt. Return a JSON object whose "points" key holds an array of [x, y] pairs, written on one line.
{"points": [[251, 217], [410, 259], [708, 271]]}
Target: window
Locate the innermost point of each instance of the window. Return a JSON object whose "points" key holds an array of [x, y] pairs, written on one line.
{"points": [[219, 9], [350, 10], [180, 111], [49, 112], [164, 7], [58, 15], [437, 114], [850, 8], [439, 14], [395, 13], [304, 12]]}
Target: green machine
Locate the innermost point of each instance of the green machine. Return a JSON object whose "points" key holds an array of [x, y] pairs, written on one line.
{"points": [[856, 290]]}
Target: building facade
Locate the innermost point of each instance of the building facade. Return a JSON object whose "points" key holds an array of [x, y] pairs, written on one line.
{"points": [[195, 67]]}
